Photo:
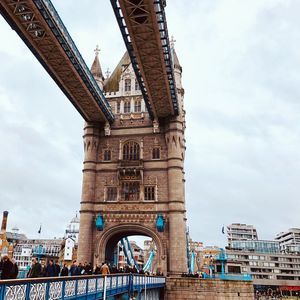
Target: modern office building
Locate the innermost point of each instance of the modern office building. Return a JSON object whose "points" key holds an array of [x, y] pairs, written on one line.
{"points": [[241, 232], [269, 267], [289, 240]]}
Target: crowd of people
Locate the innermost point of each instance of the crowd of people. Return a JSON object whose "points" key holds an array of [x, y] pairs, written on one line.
{"points": [[38, 269]]}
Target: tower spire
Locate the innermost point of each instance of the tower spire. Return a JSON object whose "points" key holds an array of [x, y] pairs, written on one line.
{"points": [[96, 68]]}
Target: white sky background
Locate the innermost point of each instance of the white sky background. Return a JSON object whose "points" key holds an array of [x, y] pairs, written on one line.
{"points": [[241, 66]]}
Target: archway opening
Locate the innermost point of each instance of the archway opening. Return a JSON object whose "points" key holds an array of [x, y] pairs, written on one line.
{"points": [[132, 252]]}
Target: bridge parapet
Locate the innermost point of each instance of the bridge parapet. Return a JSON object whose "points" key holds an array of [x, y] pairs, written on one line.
{"points": [[87, 287]]}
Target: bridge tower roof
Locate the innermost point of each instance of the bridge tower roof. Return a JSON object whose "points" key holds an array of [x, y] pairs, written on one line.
{"points": [[96, 68]]}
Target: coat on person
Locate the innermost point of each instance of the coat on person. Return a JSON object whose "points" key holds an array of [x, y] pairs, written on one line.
{"points": [[14, 270], [51, 269], [57, 269], [104, 269], [64, 271], [35, 270], [7, 266]]}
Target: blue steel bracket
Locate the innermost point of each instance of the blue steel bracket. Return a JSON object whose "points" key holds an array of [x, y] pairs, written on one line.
{"points": [[160, 223], [99, 223]]}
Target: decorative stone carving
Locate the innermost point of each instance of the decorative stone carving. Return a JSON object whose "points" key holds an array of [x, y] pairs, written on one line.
{"points": [[107, 129]]}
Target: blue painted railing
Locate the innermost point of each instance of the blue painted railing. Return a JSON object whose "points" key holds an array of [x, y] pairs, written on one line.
{"points": [[79, 287], [243, 277]]}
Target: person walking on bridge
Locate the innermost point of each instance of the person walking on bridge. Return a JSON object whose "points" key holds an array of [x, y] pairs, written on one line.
{"points": [[35, 270], [7, 266], [104, 269]]}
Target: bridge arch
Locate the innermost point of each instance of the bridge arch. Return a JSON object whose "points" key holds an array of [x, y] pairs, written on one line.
{"points": [[110, 237]]}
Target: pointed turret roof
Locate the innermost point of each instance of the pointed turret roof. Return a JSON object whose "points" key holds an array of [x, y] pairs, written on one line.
{"points": [[112, 83], [96, 67], [176, 61]]}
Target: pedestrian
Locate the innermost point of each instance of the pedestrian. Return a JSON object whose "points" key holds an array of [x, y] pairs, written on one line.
{"points": [[14, 270], [64, 271], [114, 269], [80, 269], [51, 270], [104, 269], [43, 269], [35, 270], [97, 270], [7, 266], [57, 268], [73, 269]]}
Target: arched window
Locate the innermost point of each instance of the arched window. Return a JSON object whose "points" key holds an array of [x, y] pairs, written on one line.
{"points": [[107, 155], [130, 190], [127, 107], [127, 85], [137, 106], [131, 151], [118, 107], [136, 85], [156, 153]]}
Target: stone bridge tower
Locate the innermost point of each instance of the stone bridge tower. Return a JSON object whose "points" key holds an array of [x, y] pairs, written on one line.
{"points": [[133, 175]]}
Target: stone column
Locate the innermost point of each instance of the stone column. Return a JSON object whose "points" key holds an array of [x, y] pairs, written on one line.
{"points": [[177, 262], [91, 143]]}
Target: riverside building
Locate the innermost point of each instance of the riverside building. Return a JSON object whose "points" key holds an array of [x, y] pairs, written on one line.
{"points": [[269, 266]]}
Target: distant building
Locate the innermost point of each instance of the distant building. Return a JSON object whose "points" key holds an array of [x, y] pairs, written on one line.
{"points": [[197, 248], [138, 254], [270, 263], [237, 231], [72, 229], [289, 241], [8, 240], [42, 248]]}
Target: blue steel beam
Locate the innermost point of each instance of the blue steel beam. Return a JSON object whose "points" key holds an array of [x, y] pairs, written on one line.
{"points": [[40, 27], [144, 29]]}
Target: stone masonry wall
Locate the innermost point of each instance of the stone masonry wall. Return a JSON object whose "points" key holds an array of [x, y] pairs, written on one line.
{"points": [[206, 289]]}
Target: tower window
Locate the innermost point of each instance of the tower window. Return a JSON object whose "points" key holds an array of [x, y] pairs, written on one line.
{"points": [[149, 193], [137, 106], [127, 85], [136, 85], [111, 194], [131, 151], [107, 155], [130, 191], [118, 107], [156, 153], [127, 107]]}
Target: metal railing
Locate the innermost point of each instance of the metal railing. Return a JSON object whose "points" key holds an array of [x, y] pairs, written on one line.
{"points": [[84, 287], [243, 277]]}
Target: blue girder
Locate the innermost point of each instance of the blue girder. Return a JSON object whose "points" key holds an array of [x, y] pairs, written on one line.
{"points": [[127, 249]]}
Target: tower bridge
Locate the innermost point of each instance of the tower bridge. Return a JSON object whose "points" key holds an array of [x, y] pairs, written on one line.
{"points": [[134, 133], [134, 146]]}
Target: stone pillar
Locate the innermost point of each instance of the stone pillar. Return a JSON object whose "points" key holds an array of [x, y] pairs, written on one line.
{"points": [[177, 262], [91, 143]]}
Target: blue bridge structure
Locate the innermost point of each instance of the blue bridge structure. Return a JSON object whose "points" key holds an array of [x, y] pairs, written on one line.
{"points": [[117, 286]]}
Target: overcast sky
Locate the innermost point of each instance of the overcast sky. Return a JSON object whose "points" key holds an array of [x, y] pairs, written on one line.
{"points": [[241, 66]]}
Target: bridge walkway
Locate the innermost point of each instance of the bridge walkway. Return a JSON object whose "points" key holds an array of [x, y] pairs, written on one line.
{"points": [[80, 287]]}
